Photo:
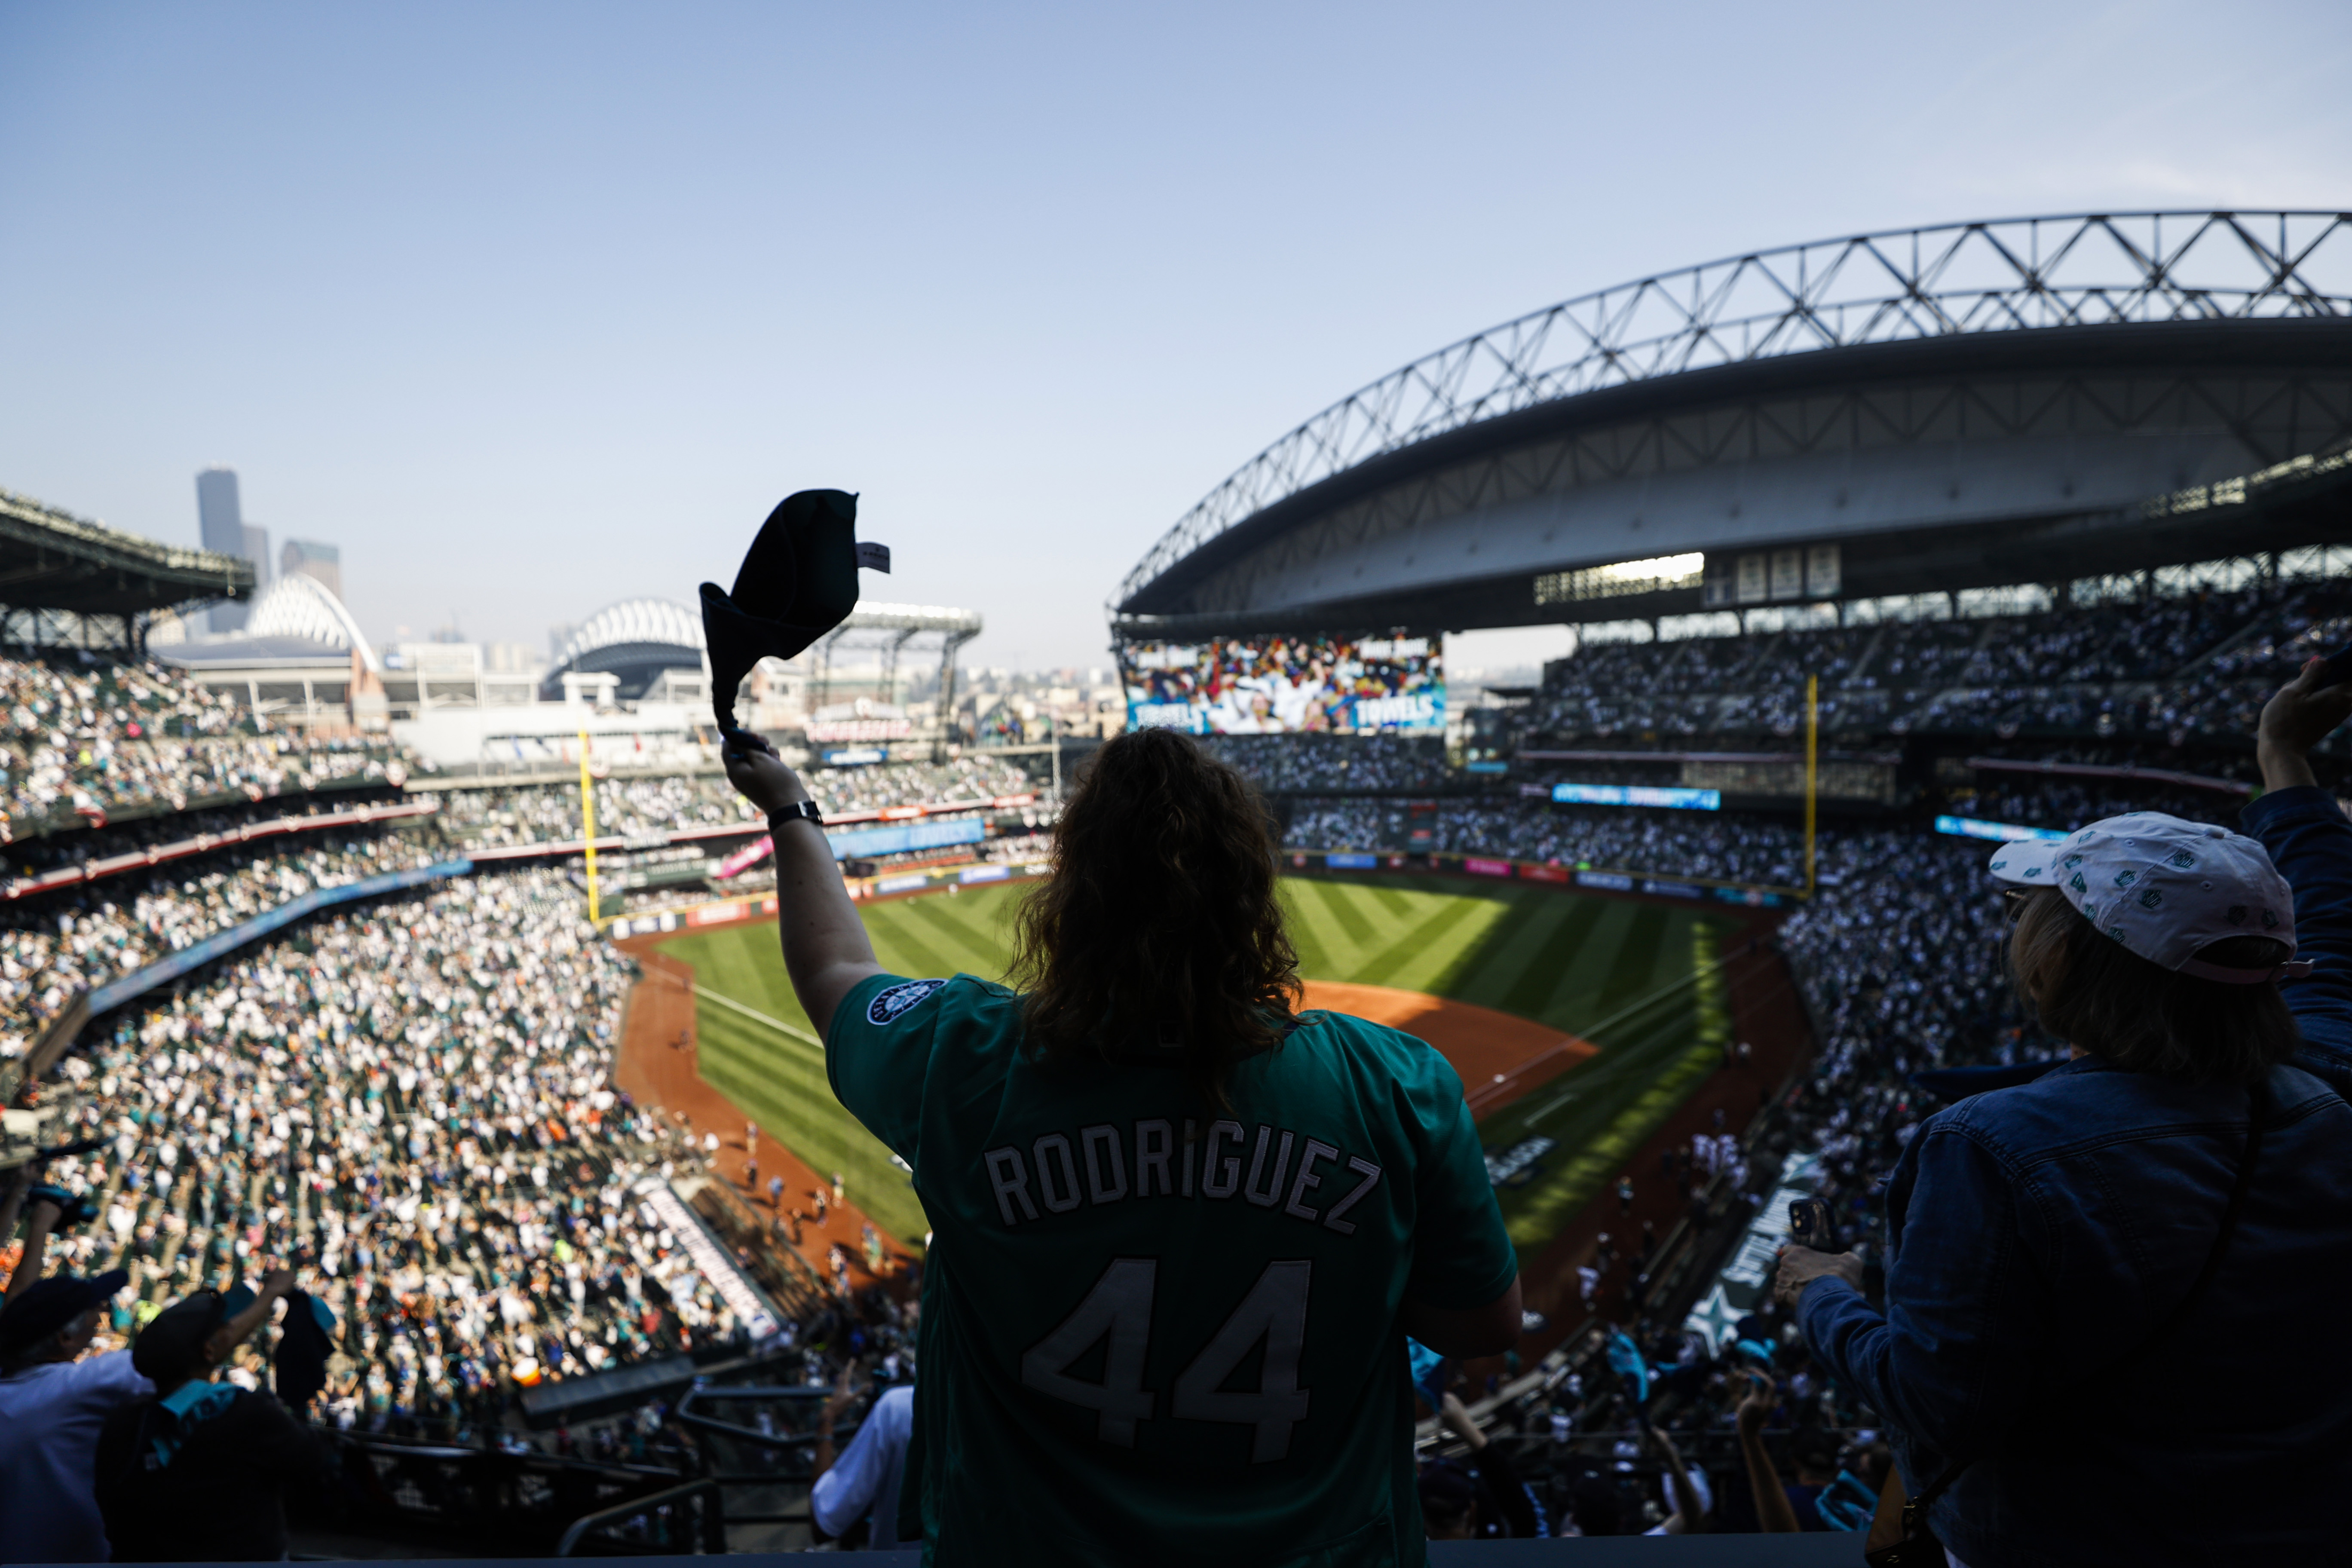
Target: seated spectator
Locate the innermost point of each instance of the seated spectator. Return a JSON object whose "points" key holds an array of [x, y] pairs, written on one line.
{"points": [[52, 1404], [2192, 1164], [864, 1486], [199, 1472]]}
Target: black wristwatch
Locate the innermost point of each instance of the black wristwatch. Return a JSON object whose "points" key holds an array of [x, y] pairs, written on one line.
{"points": [[799, 811]]}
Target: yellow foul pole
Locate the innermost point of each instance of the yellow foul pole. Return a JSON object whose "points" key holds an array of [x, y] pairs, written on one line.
{"points": [[588, 825], [1813, 741]]}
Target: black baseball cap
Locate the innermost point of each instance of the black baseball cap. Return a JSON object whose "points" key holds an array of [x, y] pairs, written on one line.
{"points": [[47, 1305], [798, 582], [172, 1345]]}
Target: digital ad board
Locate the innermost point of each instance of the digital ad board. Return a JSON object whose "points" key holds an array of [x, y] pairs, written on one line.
{"points": [[1287, 686]]}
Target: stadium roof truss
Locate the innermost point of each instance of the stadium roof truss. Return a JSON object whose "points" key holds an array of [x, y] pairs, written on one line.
{"points": [[59, 573], [2272, 278]]}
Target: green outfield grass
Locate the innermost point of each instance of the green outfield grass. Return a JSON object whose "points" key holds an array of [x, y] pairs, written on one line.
{"points": [[1634, 979]]}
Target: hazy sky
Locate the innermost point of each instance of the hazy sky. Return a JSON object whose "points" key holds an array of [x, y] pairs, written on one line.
{"points": [[534, 308]]}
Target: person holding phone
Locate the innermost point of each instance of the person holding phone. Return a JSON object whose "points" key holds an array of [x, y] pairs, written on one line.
{"points": [[2181, 1188]]}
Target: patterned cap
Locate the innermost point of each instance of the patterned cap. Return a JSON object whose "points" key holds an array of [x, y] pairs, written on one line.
{"points": [[2164, 889]]}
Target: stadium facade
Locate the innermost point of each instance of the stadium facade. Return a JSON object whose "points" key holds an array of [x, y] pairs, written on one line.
{"points": [[2035, 400]]}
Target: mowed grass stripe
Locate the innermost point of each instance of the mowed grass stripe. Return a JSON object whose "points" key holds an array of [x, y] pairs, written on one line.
{"points": [[1324, 948], [978, 928], [903, 951], [1634, 971], [1502, 965], [1344, 903], [1432, 955], [966, 950], [1531, 992], [1609, 1106]]}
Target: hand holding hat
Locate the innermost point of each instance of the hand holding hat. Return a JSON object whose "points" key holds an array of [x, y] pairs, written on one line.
{"points": [[798, 582]]}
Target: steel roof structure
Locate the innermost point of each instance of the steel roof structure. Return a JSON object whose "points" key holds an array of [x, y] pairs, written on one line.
{"points": [[52, 561], [1910, 394]]}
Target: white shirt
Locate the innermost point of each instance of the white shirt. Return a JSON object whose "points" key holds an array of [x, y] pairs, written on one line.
{"points": [[49, 1418], [868, 1473]]}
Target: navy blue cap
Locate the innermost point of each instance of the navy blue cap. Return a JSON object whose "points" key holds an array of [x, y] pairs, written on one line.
{"points": [[47, 1305]]}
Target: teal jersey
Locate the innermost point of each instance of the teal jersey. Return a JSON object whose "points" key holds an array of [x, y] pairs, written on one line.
{"points": [[1154, 1331]]}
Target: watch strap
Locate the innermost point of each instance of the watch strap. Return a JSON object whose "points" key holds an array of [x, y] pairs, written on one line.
{"points": [[799, 811]]}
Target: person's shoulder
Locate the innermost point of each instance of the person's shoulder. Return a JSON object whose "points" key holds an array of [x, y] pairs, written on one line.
{"points": [[1361, 1036], [109, 1373], [896, 1410], [2090, 1103], [897, 999], [1387, 1056]]}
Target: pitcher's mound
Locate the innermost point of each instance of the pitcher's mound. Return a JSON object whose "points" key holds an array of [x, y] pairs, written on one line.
{"points": [[1500, 1056]]}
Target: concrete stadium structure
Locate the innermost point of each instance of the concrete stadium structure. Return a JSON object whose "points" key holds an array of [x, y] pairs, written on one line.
{"points": [[2033, 400]]}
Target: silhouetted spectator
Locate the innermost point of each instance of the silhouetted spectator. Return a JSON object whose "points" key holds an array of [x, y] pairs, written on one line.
{"points": [[199, 1473]]}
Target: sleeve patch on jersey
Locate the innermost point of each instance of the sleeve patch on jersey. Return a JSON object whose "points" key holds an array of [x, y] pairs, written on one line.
{"points": [[888, 1006]]}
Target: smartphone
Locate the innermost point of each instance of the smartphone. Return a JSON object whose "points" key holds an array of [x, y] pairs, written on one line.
{"points": [[1810, 1226], [2337, 667]]}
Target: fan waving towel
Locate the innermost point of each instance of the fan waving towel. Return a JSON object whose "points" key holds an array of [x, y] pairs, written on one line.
{"points": [[799, 582]]}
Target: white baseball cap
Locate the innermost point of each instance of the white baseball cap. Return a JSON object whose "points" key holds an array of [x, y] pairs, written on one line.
{"points": [[2165, 888]]}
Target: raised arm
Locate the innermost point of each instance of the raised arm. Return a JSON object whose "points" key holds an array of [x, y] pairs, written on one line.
{"points": [[825, 949], [2310, 842], [1773, 1510], [36, 1240], [239, 1329], [1689, 1517]]}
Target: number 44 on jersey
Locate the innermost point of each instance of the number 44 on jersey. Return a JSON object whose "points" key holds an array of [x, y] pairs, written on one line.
{"points": [[1119, 1308]]}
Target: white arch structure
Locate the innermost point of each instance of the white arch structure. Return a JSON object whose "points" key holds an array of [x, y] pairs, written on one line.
{"points": [[301, 606]]}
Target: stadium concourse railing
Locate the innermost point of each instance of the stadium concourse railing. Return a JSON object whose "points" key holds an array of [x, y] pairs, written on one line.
{"points": [[75, 818], [203, 843]]}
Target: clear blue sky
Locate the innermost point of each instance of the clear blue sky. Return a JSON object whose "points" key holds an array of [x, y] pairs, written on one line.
{"points": [[533, 307]]}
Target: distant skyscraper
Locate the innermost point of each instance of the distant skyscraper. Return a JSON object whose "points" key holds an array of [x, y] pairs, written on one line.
{"points": [[221, 522], [308, 558]]}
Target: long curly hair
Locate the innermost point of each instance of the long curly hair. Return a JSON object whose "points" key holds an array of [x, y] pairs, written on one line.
{"points": [[1159, 925]]}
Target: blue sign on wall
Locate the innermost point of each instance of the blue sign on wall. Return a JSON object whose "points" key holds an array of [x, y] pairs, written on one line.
{"points": [[1676, 799], [912, 836], [2004, 832]]}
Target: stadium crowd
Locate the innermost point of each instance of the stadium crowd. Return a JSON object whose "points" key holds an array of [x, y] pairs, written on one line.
{"points": [[85, 736], [2194, 665], [412, 1105], [1281, 764], [52, 946], [632, 807]]}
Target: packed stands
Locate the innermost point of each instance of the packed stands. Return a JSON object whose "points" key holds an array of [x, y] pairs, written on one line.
{"points": [[414, 1100], [631, 807], [84, 737], [2194, 665], [1288, 764], [53, 945]]}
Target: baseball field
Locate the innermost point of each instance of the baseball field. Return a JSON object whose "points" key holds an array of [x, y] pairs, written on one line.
{"points": [[1638, 983]]}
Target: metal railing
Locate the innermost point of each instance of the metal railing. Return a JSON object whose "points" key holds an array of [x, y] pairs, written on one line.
{"points": [[659, 1534]]}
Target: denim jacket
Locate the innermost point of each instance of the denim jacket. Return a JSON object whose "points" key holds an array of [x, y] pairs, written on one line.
{"points": [[2038, 1234]]}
